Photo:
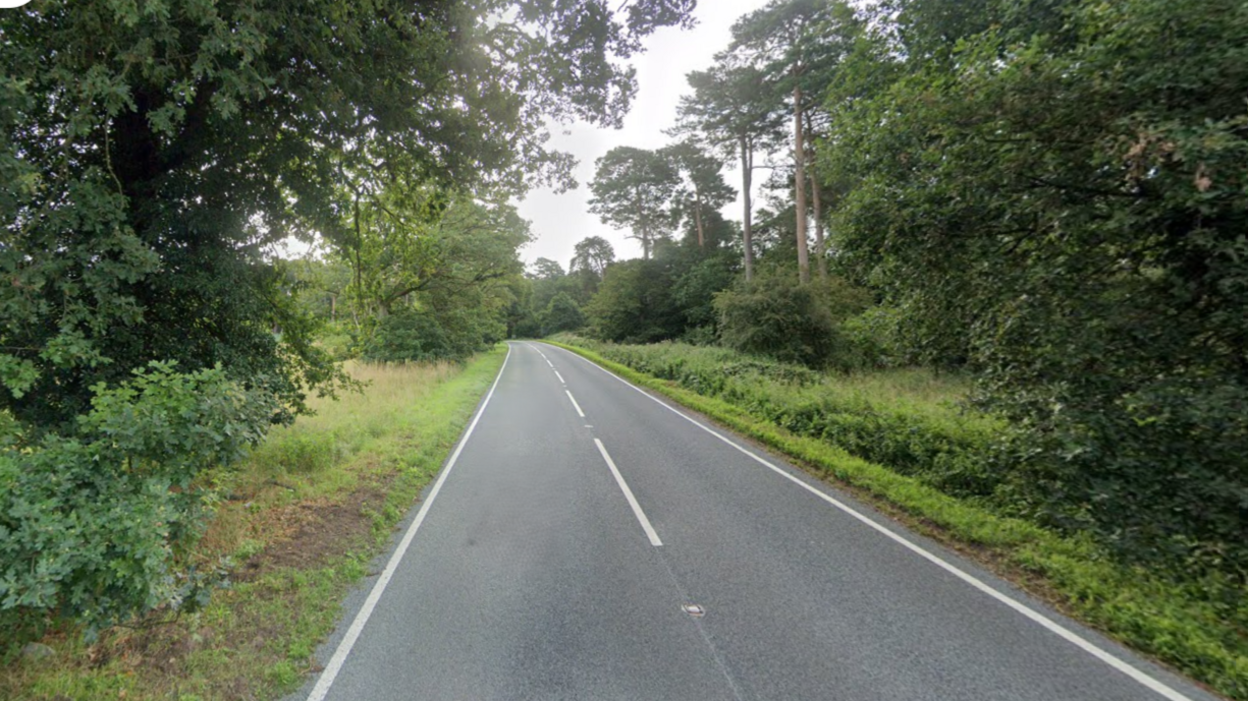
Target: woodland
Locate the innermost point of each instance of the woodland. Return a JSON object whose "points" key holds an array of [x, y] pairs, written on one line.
{"points": [[1045, 200]]}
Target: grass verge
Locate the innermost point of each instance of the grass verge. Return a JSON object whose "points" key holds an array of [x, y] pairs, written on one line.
{"points": [[301, 520], [1181, 624]]}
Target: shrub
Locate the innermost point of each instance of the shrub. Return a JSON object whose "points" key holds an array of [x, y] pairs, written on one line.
{"points": [[407, 335], [775, 316], [94, 526]]}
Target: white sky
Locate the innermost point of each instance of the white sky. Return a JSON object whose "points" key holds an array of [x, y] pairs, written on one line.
{"points": [[560, 221]]}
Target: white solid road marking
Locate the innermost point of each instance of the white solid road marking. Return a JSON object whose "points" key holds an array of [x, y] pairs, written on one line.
{"points": [[561, 380], [357, 625], [628, 494], [1156, 685], [578, 406]]}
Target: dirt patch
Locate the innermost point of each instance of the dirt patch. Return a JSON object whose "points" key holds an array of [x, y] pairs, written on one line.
{"points": [[304, 535], [311, 533]]}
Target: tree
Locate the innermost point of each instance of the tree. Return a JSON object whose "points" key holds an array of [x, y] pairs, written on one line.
{"points": [[149, 157], [794, 43], [799, 323], [153, 154], [1061, 203], [703, 189], [634, 189], [593, 254], [562, 314], [545, 269], [728, 110], [634, 304]]}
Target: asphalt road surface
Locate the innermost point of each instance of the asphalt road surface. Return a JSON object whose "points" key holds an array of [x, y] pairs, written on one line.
{"points": [[587, 541]]}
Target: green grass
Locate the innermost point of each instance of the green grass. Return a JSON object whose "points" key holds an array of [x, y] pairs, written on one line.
{"points": [[1191, 626], [310, 509], [913, 420]]}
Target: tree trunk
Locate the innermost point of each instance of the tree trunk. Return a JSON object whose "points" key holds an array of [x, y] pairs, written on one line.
{"points": [[747, 234], [643, 234], [816, 203], [697, 217], [799, 187]]}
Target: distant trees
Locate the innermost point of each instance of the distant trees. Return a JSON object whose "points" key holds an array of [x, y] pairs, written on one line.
{"points": [[702, 189], [592, 254], [794, 44], [635, 189], [728, 110], [634, 304]]}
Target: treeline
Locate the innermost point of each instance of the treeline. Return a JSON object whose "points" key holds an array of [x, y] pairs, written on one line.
{"points": [[153, 158], [422, 282], [1049, 195]]}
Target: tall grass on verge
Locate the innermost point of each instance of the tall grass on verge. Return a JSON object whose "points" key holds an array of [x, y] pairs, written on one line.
{"points": [[912, 420], [301, 520], [1198, 626]]}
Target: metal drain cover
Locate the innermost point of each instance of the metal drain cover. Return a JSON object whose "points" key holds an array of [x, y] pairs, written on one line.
{"points": [[694, 610]]}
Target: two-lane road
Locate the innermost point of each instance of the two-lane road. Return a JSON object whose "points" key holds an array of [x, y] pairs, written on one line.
{"points": [[560, 552]]}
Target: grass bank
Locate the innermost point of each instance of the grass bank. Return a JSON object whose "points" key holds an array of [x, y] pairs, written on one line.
{"points": [[1196, 627], [301, 520]]}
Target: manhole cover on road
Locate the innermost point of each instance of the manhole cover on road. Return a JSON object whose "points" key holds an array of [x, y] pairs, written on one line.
{"points": [[694, 610]]}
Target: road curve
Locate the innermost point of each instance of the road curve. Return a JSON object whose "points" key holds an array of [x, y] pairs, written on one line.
{"points": [[587, 541]]}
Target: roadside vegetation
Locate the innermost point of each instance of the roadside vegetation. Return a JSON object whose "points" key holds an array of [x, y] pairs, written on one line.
{"points": [[996, 275], [159, 162], [297, 522], [1194, 624]]}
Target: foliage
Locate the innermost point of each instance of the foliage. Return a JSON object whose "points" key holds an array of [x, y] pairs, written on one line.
{"points": [[635, 304], [793, 44], [776, 316], [154, 155], [730, 112], [905, 419], [448, 259], [1058, 197], [562, 314], [593, 254], [96, 527], [359, 461], [702, 190], [150, 155], [694, 291], [408, 335], [636, 189]]}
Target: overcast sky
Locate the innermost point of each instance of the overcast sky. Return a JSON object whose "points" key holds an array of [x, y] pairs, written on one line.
{"points": [[559, 221]]}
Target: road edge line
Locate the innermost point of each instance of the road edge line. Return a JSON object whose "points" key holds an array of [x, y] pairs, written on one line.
{"points": [[1113, 661], [330, 673]]}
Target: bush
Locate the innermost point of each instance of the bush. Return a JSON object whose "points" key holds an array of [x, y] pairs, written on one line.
{"points": [[95, 526], [407, 335], [634, 304], [775, 316]]}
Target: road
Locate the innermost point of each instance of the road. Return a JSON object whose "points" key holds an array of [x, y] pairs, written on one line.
{"points": [[558, 554]]}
